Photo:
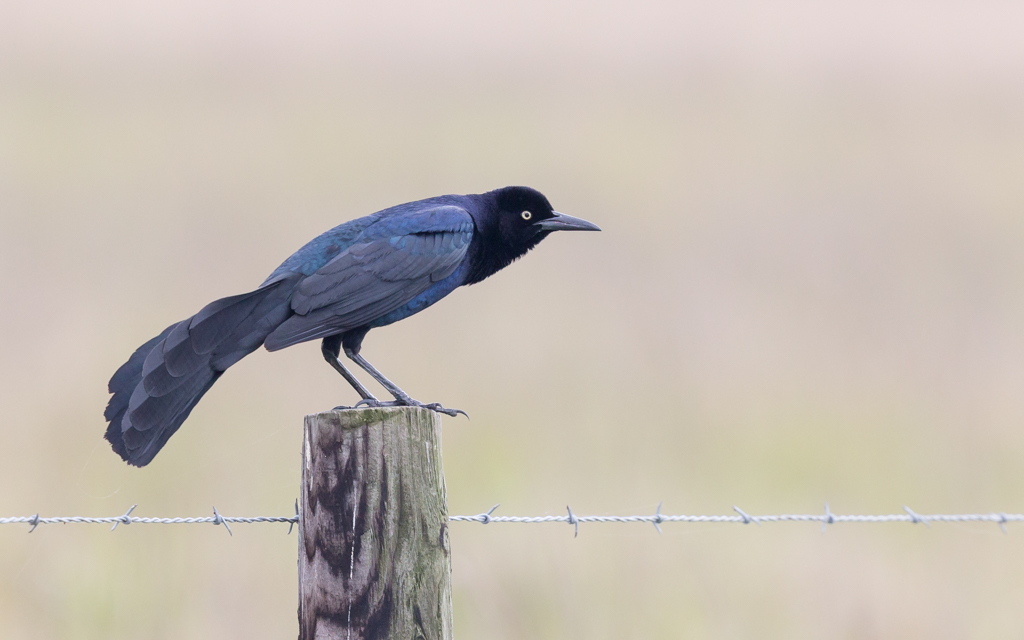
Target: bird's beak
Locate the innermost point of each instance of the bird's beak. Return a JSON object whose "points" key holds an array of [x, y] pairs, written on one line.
{"points": [[562, 222]]}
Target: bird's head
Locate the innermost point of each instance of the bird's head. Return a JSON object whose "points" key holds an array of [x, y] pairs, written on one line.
{"points": [[515, 219], [524, 217]]}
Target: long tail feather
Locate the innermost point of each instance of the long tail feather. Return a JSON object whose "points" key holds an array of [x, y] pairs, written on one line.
{"points": [[154, 392]]}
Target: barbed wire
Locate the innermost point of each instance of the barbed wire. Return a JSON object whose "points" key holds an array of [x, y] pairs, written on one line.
{"points": [[742, 517]]}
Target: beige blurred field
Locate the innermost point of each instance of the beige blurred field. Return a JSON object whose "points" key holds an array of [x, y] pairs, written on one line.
{"points": [[809, 287]]}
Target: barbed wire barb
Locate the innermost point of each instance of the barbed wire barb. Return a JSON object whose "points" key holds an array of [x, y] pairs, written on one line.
{"points": [[486, 517], [292, 524], [219, 519], [574, 521], [126, 518], [829, 518], [915, 518], [747, 519]]}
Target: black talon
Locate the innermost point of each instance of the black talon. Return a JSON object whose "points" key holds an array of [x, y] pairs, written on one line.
{"points": [[436, 406]]}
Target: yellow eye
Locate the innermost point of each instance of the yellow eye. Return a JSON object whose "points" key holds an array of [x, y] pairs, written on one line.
{"points": [[526, 215]]}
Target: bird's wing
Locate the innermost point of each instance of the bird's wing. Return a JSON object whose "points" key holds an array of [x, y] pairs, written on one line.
{"points": [[393, 261]]}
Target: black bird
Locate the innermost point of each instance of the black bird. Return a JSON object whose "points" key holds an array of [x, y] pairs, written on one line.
{"points": [[362, 274]]}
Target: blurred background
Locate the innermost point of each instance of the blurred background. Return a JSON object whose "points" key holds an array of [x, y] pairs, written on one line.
{"points": [[810, 287]]}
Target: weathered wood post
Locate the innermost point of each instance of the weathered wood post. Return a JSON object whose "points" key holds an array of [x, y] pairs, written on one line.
{"points": [[373, 527]]}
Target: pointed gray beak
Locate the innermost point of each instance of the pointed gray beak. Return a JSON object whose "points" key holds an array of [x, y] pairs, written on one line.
{"points": [[562, 222]]}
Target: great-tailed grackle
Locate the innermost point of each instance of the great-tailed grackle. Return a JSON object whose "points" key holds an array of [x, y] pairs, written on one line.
{"points": [[362, 274]]}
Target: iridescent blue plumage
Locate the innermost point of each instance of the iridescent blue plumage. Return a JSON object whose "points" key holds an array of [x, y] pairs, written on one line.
{"points": [[396, 259]]}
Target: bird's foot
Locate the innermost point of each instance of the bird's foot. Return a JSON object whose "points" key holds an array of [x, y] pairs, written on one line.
{"points": [[373, 403], [367, 402], [433, 406], [436, 406], [406, 402]]}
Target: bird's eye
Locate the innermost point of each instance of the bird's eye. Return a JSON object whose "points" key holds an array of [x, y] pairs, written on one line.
{"points": [[526, 215]]}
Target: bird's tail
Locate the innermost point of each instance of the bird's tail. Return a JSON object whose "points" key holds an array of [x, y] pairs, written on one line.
{"points": [[164, 379]]}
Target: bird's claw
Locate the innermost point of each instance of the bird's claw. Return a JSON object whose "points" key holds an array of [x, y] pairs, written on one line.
{"points": [[436, 406]]}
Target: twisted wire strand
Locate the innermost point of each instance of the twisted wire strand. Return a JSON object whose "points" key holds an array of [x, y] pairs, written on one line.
{"points": [[136, 519], [658, 518], [827, 519]]}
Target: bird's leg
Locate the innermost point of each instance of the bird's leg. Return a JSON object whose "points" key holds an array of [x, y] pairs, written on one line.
{"points": [[392, 388], [331, 347], [401, 397]]}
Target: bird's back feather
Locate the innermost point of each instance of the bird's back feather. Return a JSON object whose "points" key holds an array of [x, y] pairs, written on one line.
{"points": [[392, 262]]}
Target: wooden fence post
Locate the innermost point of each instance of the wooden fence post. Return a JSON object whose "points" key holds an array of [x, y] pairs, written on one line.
{"points": [[373, 527]]}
